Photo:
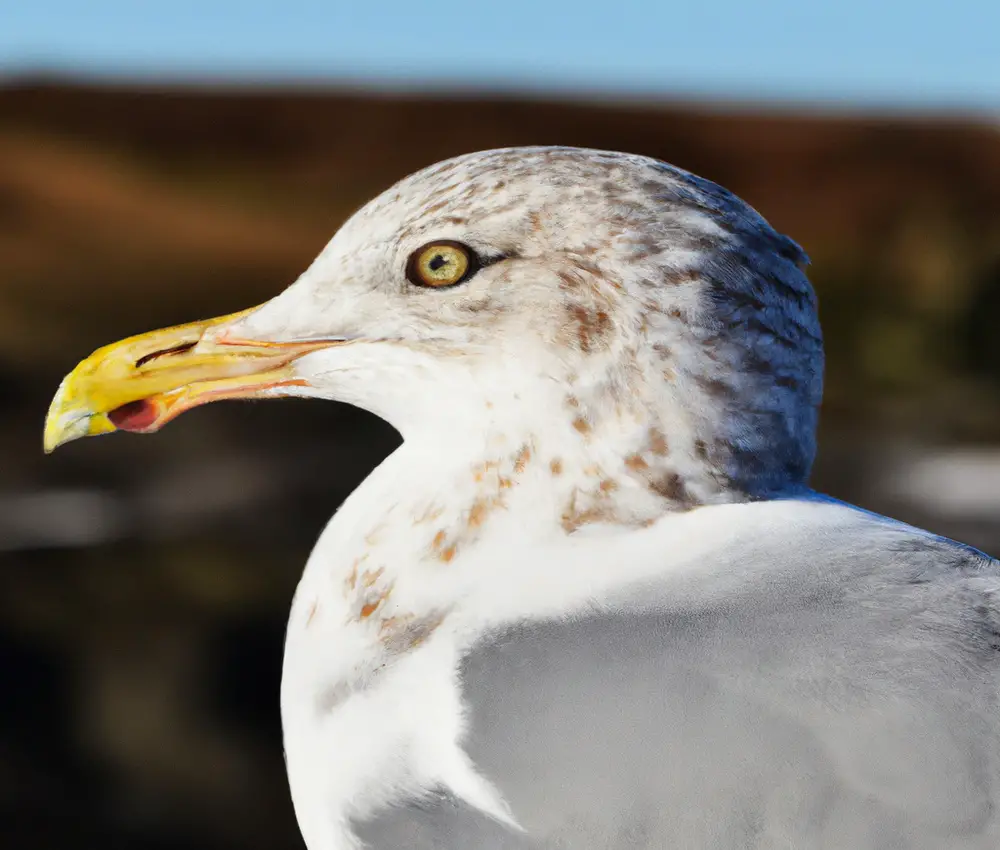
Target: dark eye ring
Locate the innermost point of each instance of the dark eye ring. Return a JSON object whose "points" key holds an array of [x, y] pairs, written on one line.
{"points": [[441, 264]]}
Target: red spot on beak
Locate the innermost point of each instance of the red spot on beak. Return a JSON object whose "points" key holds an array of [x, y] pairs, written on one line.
{"points": [[134, 416]]}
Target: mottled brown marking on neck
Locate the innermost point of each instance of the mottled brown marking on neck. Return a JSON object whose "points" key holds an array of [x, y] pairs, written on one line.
{"points": [[369, 577], [404, 632], [521, 458], [371, 599], [636, 462], [657, 442], [673, 488], [592, 327]]}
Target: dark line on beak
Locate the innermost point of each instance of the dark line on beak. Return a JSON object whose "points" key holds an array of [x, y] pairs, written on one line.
{"points": [[166, 352]]}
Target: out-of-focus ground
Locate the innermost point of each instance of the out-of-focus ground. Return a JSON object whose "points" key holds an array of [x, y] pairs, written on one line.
{"points": [[144, 581]]}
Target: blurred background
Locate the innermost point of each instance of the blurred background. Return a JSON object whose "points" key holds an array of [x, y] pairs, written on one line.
{"points": [[161, 162]]}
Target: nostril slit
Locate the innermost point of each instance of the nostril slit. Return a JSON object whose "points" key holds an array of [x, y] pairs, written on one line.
{"points": [[166, 352]]}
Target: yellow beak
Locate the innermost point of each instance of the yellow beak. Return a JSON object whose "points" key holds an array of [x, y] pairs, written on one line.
{"points": [[141, 383]]}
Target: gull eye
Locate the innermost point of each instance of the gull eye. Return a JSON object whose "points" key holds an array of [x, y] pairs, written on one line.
{"points": [[440, 264]]}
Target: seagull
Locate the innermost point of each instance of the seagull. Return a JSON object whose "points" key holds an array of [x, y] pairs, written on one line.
{"points": [[590, 602]]}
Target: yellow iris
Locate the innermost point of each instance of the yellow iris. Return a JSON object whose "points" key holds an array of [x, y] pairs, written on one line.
{"points": [[440, 264]]}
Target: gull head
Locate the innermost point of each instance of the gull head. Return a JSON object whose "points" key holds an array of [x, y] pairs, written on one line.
{"points": [[616, 303]]}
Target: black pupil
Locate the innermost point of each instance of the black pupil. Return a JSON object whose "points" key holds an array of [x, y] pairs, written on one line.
{"points": [[437, 262]]}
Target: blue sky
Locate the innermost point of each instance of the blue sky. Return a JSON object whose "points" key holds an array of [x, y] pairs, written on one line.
{"points": [[921, 53]]}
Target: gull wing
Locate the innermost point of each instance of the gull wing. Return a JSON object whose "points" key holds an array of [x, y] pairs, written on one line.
{"points": [[843, 697]]}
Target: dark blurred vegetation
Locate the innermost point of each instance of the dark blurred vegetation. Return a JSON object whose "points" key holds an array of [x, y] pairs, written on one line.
{"points": [[145, 581]]}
